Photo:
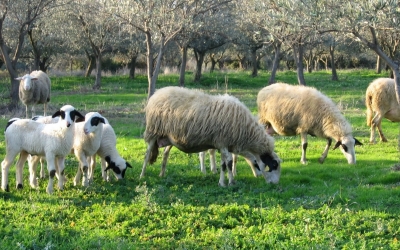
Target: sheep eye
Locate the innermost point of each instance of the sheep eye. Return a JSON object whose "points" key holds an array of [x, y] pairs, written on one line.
{"points": [[344, 148]]}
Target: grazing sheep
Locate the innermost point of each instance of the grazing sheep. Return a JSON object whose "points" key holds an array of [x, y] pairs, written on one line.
{"points": [[34, 89], [381, 102], [292, 110], [108, 154], [54, 141], [86, 143], [194, 122]]}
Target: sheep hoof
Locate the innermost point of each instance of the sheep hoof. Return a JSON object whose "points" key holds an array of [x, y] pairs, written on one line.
{"points": [[321, 160], [232, 183], [303, 162], [221, 184], [19, 186], [6, 188]]}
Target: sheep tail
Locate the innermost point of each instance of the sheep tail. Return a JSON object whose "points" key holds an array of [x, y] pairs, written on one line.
{"points": [[153, 154], [368, 103]]}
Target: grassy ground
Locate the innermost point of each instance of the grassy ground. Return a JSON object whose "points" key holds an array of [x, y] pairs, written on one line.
{"points": [[328, 206]]}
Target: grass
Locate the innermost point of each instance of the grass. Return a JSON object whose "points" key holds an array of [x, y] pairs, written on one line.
{"points": [[328, 206]]}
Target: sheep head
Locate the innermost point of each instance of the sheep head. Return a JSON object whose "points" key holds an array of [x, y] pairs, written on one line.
{"points": [[27, 81], [68, 115]]}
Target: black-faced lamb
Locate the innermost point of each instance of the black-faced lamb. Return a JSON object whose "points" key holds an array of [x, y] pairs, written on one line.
{"points": [[291, 110], [194, 122], [54, 141], [86, 143], [110, 158], [34, 88], [381, 102]]}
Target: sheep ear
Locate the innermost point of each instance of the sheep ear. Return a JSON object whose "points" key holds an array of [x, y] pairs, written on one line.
{"points": [[58, 113], [128, 165], [19, 78], [358, 142], [337, 144], [80, 117], [108, 159]]}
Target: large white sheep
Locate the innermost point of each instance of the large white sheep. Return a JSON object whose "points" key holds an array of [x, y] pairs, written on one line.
{"points": [[381, 102], [34, 89], [86, 143], [108, 154], [194, 121], [295, 109], [54, 141]]}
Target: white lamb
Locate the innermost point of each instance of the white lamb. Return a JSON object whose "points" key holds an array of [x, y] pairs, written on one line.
{"points": [[109, 154], [54, 141], [34, 89], [292, 110], [381, 102], [194, 122], [86, 143]]}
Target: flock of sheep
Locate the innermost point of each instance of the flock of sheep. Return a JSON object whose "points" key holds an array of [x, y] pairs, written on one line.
{"points": [[193, 122]]}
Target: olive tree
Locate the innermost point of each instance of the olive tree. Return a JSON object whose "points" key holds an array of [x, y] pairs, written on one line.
{"points": [[17, 17], [160, 22]]}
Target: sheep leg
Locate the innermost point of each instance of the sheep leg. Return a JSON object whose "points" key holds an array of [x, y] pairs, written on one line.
{"points": [[60, 165], [52, 172], [325, 153], [33, 162], [376, 122], [379, 126], [5, 167], [104, 173], [304, 145], [202, 166], [150, 146], [92, 165], [82, 170], [42, 171], [234, 162], [213, 165], [167, 149], [252, 161], [45, 109], [226, 163], [19, 168]]}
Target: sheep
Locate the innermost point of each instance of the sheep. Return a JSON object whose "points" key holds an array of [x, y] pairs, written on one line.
{"points": [[32, 159], [34, 89], [194, 121], [381, 102], [54, 141], [108, 154], [291, 110], [86, 143]]}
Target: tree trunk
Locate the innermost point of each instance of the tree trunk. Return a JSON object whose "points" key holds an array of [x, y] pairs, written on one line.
{"points": [[298, 52], [182, 69], [199, 63], [91, 63], [97, 83], [332, 54], [378, 65], [213, 63], [275, 63], [132, 66], [254, 71]]}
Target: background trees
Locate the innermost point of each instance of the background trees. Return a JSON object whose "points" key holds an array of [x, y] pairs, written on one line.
{"points": [[301, 35]]}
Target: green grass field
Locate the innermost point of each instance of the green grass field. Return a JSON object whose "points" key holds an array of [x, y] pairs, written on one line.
{"points": [[315, 206]]}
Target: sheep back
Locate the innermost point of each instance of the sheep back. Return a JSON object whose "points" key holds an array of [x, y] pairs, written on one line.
{"points": [[293, 110], [40, 91], [56, 137], [194, 121]]}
